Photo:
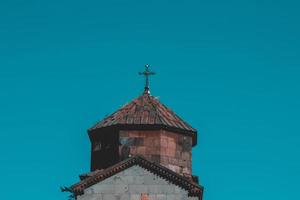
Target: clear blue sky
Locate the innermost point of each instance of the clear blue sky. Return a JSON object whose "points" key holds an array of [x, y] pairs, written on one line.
{"points": [[229, 68]]}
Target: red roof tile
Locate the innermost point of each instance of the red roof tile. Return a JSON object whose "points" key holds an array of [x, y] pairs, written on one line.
{"points": [[145, 110]]}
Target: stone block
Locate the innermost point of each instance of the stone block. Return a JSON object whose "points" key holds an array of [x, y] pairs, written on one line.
{"points": [[156, 143], [138, 141], [135, 197], [171, 139], [138, 180], [89, 197], [164, 142], [186, 156], [156, 158], [186, 170], [129, 179], [138, 189], [171, 145], [118, 179], [160, 189], [89, 191], [170, 152], [124, 197], [133, 150], [150, 150], [154, 189], [110, 197], [163, 151], [141, 150], [103, 188], [161, 197], [148, 142], [174, 197], [151, 197], [123, 134], [121, 189], [150, 180], [178, 153], [163, 159]]}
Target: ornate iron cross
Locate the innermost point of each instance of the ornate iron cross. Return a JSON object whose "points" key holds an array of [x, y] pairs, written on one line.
{"points": [[147, 73]]}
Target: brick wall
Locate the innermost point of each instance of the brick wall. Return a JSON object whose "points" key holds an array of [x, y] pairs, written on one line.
{"points": [[171, 150]]}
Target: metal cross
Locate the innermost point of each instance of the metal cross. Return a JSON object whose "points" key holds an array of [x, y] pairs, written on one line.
{"points": [[147, 73]]}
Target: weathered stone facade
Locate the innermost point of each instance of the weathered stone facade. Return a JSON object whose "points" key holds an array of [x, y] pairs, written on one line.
{"points": [[135, 183], [169, 149]]}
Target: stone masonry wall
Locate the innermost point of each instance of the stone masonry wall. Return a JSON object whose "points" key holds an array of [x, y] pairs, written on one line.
{"points": [[135, 183], [171, 150]]}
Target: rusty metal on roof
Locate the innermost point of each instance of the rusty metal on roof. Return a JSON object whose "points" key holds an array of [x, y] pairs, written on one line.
{"points": [[147, 111]]}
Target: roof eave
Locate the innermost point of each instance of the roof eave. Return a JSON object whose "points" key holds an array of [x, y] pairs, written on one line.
{"points": [[193, 188], [192, 133]]}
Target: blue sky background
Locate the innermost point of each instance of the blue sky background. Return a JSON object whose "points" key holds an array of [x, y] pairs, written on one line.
{"points": [[229, 68]]}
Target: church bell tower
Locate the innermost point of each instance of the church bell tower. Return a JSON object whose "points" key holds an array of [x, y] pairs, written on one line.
{"points": [[143, 127], [142, 135]]}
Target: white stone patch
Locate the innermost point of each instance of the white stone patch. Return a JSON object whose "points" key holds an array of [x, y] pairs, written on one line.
{"points": [[131, 183]]}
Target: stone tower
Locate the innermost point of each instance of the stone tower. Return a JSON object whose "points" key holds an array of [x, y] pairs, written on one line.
{"points": [[141, 151]]}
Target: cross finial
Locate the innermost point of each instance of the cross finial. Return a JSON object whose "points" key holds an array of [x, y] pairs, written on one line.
{"points": [[147, 73]]}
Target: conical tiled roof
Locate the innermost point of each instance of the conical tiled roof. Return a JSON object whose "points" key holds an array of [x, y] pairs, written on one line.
{"points": [[147, 111]]}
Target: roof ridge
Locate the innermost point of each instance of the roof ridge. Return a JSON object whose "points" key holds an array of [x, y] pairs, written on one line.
{"points": [[155, 108], [193, 188]]}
